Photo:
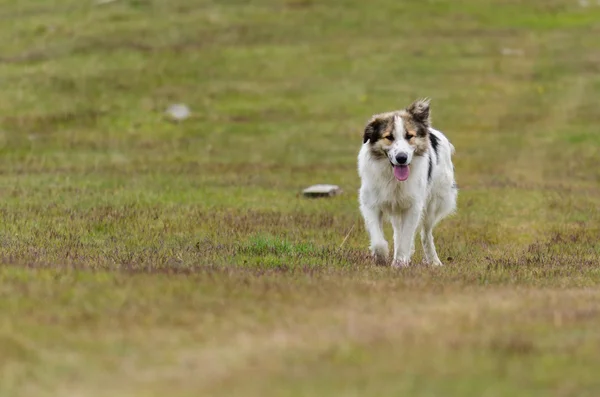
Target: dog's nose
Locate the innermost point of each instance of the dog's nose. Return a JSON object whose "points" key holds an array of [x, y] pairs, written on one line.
{"points": [[401, 158]]}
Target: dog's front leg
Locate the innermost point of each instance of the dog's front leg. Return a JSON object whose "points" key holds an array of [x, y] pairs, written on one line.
{"points": [[405, 227], [374, 224]]}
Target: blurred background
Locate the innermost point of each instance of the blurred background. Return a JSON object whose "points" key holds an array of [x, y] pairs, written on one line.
{"points": [[140, 139]]}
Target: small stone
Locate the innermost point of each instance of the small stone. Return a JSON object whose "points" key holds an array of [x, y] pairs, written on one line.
{"points": [[322, 190], [512, 52], [178, 112]]}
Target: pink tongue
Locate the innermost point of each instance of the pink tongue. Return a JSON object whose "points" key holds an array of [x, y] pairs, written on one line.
{"points": [[401, 172]]}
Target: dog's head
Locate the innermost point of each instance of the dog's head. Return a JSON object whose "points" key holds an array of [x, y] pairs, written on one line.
{"points": [[399, 136]]}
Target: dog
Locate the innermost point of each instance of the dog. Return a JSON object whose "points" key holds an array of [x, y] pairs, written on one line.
{"points": [[406, 172]]}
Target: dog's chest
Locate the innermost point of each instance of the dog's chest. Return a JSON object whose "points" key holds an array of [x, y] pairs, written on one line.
{"points": [[396, 196], [392, 196]]}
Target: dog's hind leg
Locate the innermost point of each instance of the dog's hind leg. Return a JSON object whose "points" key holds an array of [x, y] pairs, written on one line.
{"points": [[431, 256], [374, 224], [435, 212]]}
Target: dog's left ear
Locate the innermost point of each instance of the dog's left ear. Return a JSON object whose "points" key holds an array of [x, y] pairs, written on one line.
{"points": [[419, 109]]}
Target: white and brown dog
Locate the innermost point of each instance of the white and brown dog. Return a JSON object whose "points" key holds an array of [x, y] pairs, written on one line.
{"points": [[406, 173]]}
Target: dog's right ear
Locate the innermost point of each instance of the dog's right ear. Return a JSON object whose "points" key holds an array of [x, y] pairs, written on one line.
{"points": [[373, 131]]}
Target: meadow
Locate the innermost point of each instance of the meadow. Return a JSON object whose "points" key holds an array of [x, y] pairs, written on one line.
{"points": [[141, 256]]}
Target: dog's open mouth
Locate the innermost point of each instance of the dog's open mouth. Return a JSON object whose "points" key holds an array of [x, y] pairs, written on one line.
{"points": [[401, 172]]}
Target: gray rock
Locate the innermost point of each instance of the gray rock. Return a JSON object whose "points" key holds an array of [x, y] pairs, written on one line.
{"points": [[322, 190]]}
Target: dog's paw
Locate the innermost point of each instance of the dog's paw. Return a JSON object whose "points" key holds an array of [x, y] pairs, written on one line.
{"points": [[434, 263], [380, 253], [400, 263]]}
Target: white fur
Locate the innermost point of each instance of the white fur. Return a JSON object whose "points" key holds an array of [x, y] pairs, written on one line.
{"points": [[408, 204], [400, 145]]}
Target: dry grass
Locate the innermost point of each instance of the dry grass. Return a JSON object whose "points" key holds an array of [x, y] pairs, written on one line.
{"points": [[143, 257]]}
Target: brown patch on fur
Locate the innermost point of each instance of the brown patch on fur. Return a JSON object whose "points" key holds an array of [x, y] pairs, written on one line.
{"points": [[389, 138], [379, 126], [380, 133], [420, 145]]}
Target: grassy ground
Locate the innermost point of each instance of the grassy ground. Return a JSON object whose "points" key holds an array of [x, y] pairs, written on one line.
{"points": [[142, 257]]}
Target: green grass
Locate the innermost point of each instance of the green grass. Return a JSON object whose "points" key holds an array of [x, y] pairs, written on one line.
{"points": [[142, 257]]}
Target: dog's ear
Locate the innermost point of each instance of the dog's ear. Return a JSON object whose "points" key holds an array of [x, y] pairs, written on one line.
{"points": [[373, 130], [419, 110]]}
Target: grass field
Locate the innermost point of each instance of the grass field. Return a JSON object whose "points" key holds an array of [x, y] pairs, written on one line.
{"points": [[145, 257]]}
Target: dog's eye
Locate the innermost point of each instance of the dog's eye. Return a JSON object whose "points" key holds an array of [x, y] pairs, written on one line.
{"points": [[390, 138], [408, 137]]}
